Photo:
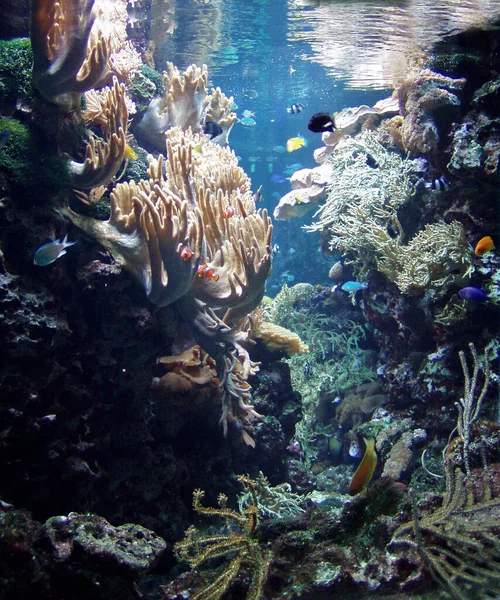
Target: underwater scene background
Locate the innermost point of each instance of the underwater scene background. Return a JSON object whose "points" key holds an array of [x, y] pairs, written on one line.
{"points": [[249, 299]]}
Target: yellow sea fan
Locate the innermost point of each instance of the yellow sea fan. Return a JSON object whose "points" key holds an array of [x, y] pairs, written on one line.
{"points": [[276, 337]]}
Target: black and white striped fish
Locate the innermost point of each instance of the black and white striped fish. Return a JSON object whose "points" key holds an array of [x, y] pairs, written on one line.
{"points": [[437, 185], [296, 108]]}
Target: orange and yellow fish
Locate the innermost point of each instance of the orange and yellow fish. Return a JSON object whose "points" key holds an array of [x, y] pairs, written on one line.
{"points": [[484, 246], [207, 272], [365, 470], [185, 253]]}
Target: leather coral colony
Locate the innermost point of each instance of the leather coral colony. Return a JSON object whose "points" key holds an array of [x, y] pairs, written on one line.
{"points": [[72, 55], [192, 236], [190, 233]]}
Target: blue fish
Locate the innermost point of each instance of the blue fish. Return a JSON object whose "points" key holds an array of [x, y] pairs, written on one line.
{"points": [[354, 286], [48, 253], [473, 294], [277, 178], [248, 122]]}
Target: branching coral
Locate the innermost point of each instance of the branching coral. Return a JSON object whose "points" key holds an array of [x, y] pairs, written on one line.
{"points": [[360, 214], [239, 542], [176, 234], [359, 192], [459, 542], [434, 258]]}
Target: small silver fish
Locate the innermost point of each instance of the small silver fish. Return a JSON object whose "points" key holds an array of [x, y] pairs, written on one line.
{"points": [[48, 253], [257, 197], [307, 369]]}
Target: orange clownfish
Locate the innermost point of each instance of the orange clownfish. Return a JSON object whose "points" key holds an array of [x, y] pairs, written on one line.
{"points": [[207, 273], [185, 253], [364, 472], [228, 212], [484, 246]]}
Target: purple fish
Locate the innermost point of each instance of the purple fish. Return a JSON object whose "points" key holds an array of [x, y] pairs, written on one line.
{"points": [[277, 178], [473, 294]]}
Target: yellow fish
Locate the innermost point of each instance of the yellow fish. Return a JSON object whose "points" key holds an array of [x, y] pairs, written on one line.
{"points": [[295, 143], [364, 472], [129, 152], [484, 246]]}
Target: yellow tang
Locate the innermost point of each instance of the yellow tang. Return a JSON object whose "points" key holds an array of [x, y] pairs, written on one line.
{"points": [[129, 152], [295, 143]]}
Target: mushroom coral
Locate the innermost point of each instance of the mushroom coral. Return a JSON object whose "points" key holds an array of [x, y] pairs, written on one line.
{"points": [[194, 218]]}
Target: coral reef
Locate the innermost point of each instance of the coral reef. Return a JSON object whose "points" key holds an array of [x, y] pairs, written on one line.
{"points": [[171, 233]]}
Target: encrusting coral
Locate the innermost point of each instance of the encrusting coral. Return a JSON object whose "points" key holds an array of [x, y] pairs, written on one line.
{"points": [[192, 236], [421, 97]]}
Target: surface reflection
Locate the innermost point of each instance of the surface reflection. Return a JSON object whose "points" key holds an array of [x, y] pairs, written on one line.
{"points": [[373, 43]]}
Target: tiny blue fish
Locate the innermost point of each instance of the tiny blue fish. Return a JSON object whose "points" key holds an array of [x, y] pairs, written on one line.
{"points": [[248, 122], [354, 286], [48, 253], [473, 294]]}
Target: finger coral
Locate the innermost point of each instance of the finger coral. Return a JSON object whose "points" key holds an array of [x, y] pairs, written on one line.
{"points": [[102, 160]]}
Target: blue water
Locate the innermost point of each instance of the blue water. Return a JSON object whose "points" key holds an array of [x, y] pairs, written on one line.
{"points": [[256, 47]]}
